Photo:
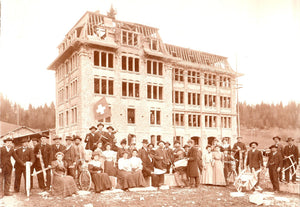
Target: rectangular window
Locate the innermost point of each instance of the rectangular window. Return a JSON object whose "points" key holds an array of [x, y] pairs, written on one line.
{"points": [[154, 44], [154, 67], [179, 119], [179, 97], [210, 100], [154, 92], [210, 121], [136, 64], [104, 59], [131, 89], [74, 115], [67, 118], [129, 38], [155, 117], [67, 92], [131, 116], [124, 63], [61, 119], [194, 120], [104, 86], [178, 74], [130, 63]]}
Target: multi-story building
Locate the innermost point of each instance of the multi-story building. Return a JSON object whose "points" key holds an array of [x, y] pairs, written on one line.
{"points": [[155, 90]]}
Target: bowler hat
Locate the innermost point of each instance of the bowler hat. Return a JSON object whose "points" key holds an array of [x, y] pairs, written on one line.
{"points": [[69, 138], [150, 144], [100, 124], [77, 137], [56, 137], [273, 146], [110, 127], [253, 143], [145, 141], [8, 139], [160, 142], [93, 127], [289, 139], [168, 143], [277, 137]]}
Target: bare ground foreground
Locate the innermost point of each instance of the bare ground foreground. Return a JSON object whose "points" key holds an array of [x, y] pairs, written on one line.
{"points": [[202, 196]]}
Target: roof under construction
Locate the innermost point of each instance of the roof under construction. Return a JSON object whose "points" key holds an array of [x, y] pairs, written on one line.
{"points": [[96, 29]]}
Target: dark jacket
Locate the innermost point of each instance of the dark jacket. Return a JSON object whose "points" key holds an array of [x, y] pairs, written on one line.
{"points": [[91, 141], [69, 155], [192, 165], [293, 150], [254, 159], [161, 159], [55, 150], [275, 160], [22, 157], [236, 151], [148, 166], [45, 151], [5, 159]]}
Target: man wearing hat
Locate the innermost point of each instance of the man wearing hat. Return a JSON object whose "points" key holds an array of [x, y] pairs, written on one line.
{"points": [[109, 137], [255, 161], [79, 154], [42, 152], [160, 162], [291, 150], [148, 167], [169, 155], [56, 147], [280, 148], [275, 165], [69, 157], [6, 167], [239, 149], [91, 139], [22, 155]]}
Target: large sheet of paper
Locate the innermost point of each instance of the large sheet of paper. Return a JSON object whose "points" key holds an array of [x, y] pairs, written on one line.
{"points": [[181, 163]]}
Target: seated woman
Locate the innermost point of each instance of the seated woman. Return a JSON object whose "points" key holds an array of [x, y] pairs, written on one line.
{"points": [[101, 180], [110, 158], [100, 153], [136, 168], [63, 185], [125, 176]]}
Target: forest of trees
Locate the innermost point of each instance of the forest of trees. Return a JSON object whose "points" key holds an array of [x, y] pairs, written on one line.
{"points": [[42, 117], [263, 116]]}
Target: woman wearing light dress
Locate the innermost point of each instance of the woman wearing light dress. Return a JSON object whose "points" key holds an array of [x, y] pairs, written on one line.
{"points": [[207, 176], [218, 167], [136, 169]]}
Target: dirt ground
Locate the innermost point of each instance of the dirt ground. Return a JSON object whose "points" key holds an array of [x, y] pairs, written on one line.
{"points": [[202, 196]]}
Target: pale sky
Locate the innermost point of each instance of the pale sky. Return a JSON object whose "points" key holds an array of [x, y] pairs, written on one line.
{"points": [[264, 35]]}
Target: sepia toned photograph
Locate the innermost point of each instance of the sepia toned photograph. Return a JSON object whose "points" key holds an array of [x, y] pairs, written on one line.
{"points": [[149, 103]]}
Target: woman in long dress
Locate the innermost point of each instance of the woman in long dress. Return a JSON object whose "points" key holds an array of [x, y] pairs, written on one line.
{"points": [[101, 180], [100, 153], [63, 184], [110, 158], [207, 176], [125, 176], [218, 167], [136, 168]]}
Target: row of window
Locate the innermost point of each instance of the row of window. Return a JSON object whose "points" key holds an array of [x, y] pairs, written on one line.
{"points": [[194, 99], [225, 102], [210, 100], [69, 91], [68, 66], [104, 59], [194, 120], [66, 122]]}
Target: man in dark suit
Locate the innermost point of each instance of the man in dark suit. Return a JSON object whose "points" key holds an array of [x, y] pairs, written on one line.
{"points": [[109, 137], [239, 149], [69, 156], [92, 139], [160, 162], [289, 150], [148, 167], [274, 164], [255, 161], [170, 155], [280, 148], [22, 155], [192, 165], [56, 147], [199, 158], [6, 167], [36, 165]]}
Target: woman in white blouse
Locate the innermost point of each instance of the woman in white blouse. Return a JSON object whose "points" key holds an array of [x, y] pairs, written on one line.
{"points": [[110, 158], [136, 168], [125, 176], [207, 176]]}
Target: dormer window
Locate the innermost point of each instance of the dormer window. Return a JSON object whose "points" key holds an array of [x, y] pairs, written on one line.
{"points": [[154, 44], [129, 38]]}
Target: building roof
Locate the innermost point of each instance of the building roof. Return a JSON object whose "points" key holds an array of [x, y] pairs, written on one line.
{"points": [[92, 22], [7, 128]]}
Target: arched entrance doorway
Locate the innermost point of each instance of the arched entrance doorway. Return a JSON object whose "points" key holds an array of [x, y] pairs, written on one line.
{"points": [[196, 140], [210, 140]]}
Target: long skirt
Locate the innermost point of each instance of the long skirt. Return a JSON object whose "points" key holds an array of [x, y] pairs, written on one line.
{"points": [[125, 180], [109, 168], [207, 174], [218, 173], [63, 186], [139, 179], [101, 181]]}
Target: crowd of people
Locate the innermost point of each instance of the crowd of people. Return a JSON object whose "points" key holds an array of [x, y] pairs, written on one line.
{"points": [[142, 167]]}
